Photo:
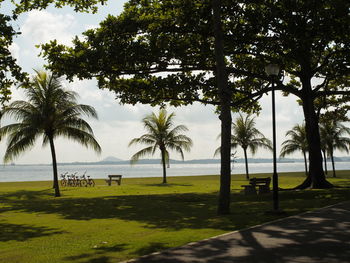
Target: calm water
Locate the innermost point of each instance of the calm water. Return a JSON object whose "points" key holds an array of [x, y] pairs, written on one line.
{"points": [[44, 172]]}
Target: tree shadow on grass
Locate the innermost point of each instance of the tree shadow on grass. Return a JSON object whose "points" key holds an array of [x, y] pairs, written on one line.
{"points": [[98, 256], [172, 211], [24, 232], [26, 195], [101, 254]]}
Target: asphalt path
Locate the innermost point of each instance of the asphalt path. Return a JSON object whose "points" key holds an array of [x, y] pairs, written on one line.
{"points": [[320, 236]]}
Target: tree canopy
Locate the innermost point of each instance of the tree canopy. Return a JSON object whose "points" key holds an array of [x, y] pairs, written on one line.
{"points": [[128, 53], [9, 70]]}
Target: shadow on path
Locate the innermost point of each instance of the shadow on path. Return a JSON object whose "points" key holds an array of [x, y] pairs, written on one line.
{"points": [[322, 236]]}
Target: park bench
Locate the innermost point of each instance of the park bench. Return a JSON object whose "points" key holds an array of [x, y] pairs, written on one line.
{"points": [[263, 185], [114, 177]]}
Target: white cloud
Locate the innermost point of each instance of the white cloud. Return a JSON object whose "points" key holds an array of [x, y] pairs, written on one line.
{"points": [[43, 26]]}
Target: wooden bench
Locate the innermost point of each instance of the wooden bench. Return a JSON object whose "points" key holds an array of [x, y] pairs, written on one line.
{"points": [[263, 185], [114, 177]]}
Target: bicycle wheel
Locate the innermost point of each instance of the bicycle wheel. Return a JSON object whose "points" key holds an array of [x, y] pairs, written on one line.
{"points": [[83, 183], [91, 182], [63, 183], [78, 182]]}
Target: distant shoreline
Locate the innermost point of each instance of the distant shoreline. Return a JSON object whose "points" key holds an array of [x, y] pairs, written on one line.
{"points": [[194, 161]]}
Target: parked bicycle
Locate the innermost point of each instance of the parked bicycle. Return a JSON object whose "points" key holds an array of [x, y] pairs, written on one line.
{"points": [[71, 179], [64, 181], [74, 180], [87, 181]]}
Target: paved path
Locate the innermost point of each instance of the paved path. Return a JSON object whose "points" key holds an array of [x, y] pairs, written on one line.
{"points": [[322, 236]]}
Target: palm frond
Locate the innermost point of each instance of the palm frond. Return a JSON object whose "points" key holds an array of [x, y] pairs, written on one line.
{"points": [[137, 156], [84, 138], [17, 144], [297, 141], [80, 109], [147, 139]]}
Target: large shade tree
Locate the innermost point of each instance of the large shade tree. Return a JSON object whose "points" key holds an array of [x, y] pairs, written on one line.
{"points": [[296, 142], [308, 39], [50, 112], [162, 136]]}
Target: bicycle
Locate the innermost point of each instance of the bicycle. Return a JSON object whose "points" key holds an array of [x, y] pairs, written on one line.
{"points": [[83, 180], [91, 181], [71, 179], [77, 180], [87, 181], [64, 181]]}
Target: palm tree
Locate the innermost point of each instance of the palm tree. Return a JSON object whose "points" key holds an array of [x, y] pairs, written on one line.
{"points": [[50, 111], [332, 137], [163, 136], [245, 135], [297, 142]]}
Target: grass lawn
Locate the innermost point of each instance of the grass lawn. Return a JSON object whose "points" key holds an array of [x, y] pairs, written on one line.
{"points": [[110, 224]]}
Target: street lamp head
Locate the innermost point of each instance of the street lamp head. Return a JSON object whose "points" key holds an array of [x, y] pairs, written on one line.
{"points": [[272, 69]]}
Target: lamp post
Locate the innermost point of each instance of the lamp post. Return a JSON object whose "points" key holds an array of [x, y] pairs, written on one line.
{"points": [[272, 70]]}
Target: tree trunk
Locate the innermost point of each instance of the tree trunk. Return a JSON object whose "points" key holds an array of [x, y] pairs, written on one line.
{"points": [[225, 112], [246, 164], [162, 150], [333, 166], [316, 178], [325, 162], [54, 167], [305, 162]]}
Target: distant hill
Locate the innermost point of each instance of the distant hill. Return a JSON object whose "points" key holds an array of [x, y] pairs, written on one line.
{"points": [[111, 159]]}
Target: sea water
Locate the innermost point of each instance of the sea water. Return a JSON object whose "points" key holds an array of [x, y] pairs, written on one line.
{"points": [[15, 173]]}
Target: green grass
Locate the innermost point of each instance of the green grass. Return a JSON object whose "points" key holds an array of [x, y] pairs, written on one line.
{"points": [[110, 224]]}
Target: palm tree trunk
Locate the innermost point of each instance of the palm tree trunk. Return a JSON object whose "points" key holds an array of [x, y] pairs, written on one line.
{"points": [[305, 161], [246, 164], [333, 166], [224, 94], [164, 165], [325, 162], [54, 167]]}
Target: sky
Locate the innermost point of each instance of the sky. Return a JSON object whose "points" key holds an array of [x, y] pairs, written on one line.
{"points": [[118, 124]]}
